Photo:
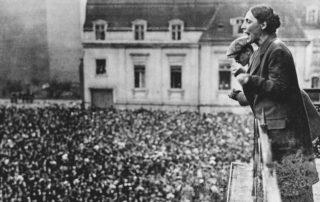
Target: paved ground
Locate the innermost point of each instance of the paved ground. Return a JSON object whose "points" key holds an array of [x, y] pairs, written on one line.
{"points": [[241, 182]]}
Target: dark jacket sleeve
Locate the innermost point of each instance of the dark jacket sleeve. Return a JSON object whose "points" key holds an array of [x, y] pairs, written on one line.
{"points": [[241, 98], [277, 83], [313, 116]]}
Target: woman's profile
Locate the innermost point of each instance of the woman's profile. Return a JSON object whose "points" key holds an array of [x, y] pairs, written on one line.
{"points": [[271, 88]]}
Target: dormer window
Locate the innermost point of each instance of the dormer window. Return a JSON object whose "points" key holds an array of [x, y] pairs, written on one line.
{"points": [[312, 15], [220, 26], [100, 27], [139, 29], [176, 32], [139, 32], [100, 32], [236, 23], [176, 28]]}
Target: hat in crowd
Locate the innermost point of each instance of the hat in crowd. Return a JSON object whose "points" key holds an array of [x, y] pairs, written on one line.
{"points": [[236, 46]]}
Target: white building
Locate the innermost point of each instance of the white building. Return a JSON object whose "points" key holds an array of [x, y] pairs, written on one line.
{"points": [[169, 54], [308, 13]]}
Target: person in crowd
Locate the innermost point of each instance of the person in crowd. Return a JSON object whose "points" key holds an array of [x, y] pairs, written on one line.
{"points": [[271, 88], [67, 153], [241, 51], [13, 97], [59, 153]]}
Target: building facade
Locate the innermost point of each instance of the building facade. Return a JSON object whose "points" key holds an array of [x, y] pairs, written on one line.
{"points": [[169, 54], [40, 40], [308, 14], [23, 49], [64, 28]]}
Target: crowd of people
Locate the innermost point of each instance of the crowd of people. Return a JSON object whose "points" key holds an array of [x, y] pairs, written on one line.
{"points": [[25, 97], [57, 153]]}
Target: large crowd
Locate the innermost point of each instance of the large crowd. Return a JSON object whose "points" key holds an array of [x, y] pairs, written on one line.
{"points": [[58, 153]]}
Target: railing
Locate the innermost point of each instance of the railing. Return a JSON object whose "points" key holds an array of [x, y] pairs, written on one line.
{"points": [[314, 95], [264, 177], [265, 187]]}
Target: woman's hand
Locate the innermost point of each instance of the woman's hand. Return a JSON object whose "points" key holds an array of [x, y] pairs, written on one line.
{"points": [[233, 94], [243, 78], [236, 70]]}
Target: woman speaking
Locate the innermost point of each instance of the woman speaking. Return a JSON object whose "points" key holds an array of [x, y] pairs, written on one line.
{"points": [[271, 88]]}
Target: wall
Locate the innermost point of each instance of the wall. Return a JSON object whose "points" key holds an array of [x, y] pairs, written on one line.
{"points": [[157, 92], [64, 38], [210, 95], [23, 39], [128, 36], [39, 39]]}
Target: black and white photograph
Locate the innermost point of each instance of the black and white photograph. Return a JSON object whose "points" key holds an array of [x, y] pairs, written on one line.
{"points": [[159, 100]]}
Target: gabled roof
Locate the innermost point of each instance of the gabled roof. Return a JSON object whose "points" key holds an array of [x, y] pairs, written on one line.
{"points": [[289, 29], [195, 14], [204, 15]]}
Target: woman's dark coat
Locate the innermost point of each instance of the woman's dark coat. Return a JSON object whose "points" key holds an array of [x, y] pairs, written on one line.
{"points": [[274, 95]]}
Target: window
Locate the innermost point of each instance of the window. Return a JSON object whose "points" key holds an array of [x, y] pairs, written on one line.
{"points": [[139, 28], [100, 31], [220, 26], [224, 76], [237, 23], [176, 62], [175, 76], [139, 76], [176, 27], [312, 15], [315, 82], [139, 32], [176, 32], [101, 66]]}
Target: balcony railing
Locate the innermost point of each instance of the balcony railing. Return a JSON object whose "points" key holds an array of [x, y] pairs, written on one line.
{"points": [[265, 186], [257, 183]]}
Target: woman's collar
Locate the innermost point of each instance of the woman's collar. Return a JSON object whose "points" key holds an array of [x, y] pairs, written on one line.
{"points": [[265, 44]]}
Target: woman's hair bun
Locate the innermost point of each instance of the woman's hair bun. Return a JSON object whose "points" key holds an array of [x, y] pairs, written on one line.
{"points": [[274, 22], [264, 13]]}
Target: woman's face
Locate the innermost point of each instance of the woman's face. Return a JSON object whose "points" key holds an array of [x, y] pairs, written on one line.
{"points": [[252, 28]]}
